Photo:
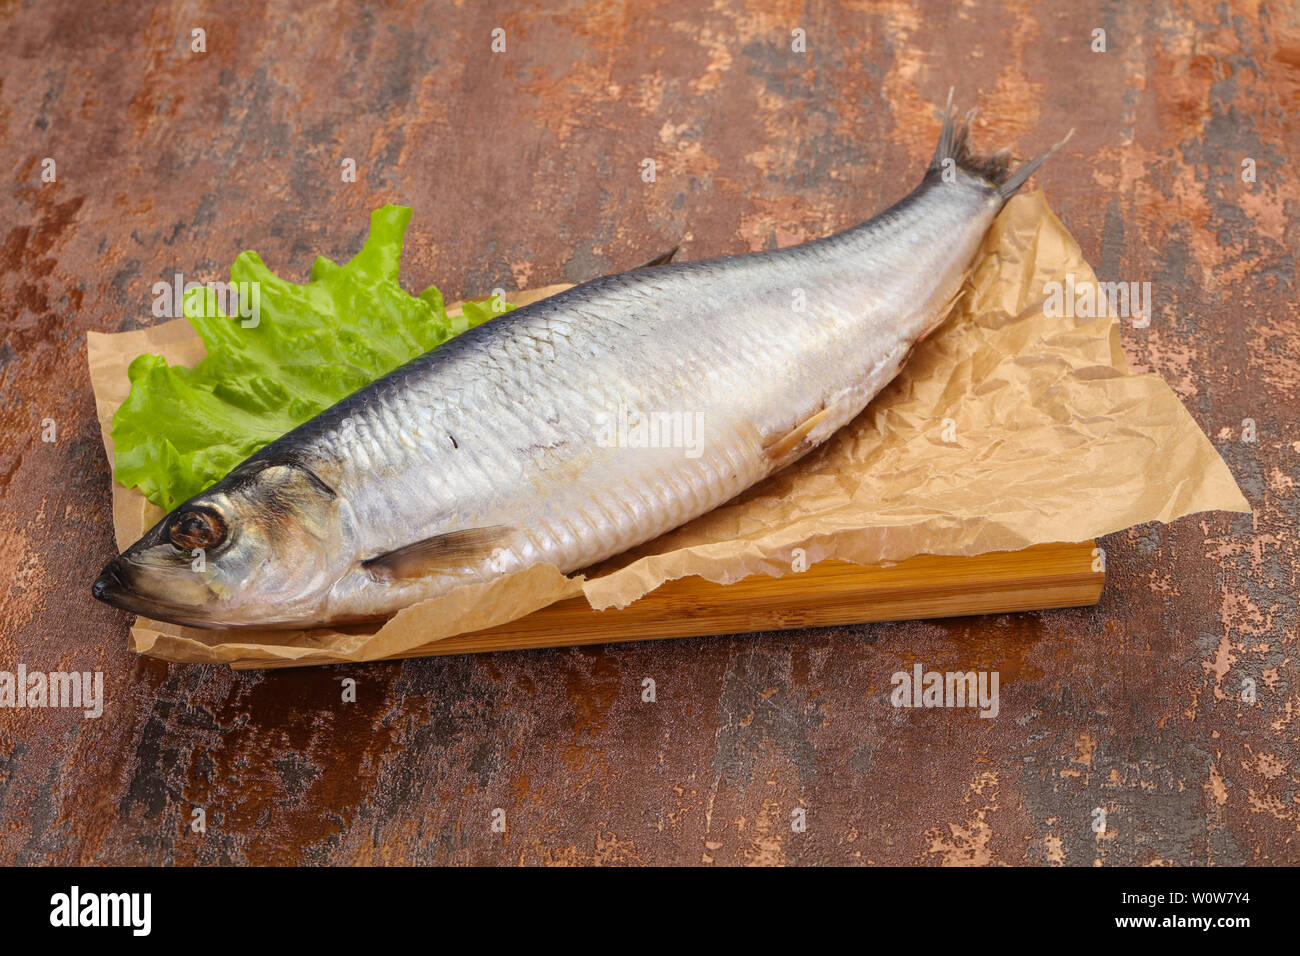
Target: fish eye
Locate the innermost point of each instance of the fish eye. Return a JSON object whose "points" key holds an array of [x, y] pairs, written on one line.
{"points": [[196, 529]]}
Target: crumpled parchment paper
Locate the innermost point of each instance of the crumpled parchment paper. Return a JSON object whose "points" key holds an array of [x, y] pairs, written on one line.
{"points": [[1006, 428]]}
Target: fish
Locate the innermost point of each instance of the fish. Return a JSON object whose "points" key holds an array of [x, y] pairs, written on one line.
{"points": [[575, 428]]}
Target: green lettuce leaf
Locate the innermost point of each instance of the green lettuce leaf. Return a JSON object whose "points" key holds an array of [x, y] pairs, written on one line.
{"points": [[182, 429]]}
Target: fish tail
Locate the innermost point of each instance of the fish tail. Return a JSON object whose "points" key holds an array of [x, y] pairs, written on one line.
{"points": [[993, 168]]}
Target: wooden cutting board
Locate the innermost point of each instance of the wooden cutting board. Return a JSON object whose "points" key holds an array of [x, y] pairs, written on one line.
{"points": [[833, 592]]}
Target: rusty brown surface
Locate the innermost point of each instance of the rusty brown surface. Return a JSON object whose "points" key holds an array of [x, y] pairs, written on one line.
{"points": [[524, 168]]}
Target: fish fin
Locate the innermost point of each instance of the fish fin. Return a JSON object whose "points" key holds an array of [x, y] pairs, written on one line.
{"points": [[993, 168], [790, 446], [660, 260], [1017, 179], [442, 552]]}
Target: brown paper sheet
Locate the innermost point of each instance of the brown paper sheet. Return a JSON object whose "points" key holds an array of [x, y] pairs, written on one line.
{"points": [[1049, 437]]}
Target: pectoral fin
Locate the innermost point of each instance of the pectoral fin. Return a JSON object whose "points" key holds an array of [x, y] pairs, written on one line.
{"points": [[441, 553]]}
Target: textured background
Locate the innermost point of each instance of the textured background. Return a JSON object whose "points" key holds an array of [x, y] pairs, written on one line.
{"points": [[524, 169]]}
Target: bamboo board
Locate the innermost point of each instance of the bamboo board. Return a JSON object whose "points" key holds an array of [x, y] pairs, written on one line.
{"points": [[832, 592]]}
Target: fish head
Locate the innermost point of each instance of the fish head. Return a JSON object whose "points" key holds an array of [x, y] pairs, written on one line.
{"points": [[263, 546]]}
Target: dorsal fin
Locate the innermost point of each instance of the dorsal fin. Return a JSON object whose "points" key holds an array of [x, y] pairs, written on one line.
{"points": [[660, 260], [442, 552]]}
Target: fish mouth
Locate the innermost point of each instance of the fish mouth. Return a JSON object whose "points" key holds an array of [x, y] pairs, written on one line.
{"points": [[113, 589], [110, 584]]}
